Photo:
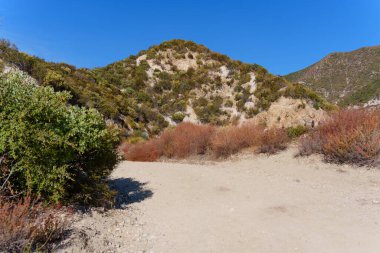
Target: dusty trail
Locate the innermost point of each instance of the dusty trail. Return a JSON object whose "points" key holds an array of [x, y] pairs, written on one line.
{"points": [[252, 204]]}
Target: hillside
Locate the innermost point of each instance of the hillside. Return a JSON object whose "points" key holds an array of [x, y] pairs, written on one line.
{"points": [[351, 78], [165, 84]]}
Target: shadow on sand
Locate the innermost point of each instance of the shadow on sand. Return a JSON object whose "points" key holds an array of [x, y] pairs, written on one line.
{"points": [[129, 191]]}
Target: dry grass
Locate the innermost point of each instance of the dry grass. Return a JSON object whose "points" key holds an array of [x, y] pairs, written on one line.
{"points": [[27, 225], [349, 136]]}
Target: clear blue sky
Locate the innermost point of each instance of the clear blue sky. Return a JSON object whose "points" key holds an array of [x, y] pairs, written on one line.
{"points": [[282, 36]]}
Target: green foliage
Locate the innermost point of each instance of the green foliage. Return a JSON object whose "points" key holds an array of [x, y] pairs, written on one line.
{"points": [[135, 139], [2, 65], [128, 93], [299, 91], [58, 151], [362, 95], [348, 78], [180, 105], [53, 78], [228, 103], [245, 78], [209, 111], [87, 87], [268, 90], [294, 132], [178, 117], [251, 112]]}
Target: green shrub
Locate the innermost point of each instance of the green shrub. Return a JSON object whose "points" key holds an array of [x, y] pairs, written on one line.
{"points": [[228, 103], [299, 91], [52, 149], [294, 132], [178, 117], [181, 105], [135, 139], [2, 65]]}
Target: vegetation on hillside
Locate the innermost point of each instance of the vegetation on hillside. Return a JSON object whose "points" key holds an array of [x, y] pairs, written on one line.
{"points": [[86, 87], [147, 92], [351, 78], [363, 94], [202, 84]]}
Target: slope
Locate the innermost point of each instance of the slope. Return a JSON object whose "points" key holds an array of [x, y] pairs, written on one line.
{"points": [[351, 78], [166, 84]]}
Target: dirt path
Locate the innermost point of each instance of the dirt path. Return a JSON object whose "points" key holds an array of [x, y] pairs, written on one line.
{"points": [[254, 204]]}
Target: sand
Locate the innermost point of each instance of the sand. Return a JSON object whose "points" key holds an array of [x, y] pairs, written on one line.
{"points": [[252, 203]]}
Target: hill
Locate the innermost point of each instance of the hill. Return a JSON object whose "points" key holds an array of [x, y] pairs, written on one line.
{"points": [[165, 84], [351, 78]]}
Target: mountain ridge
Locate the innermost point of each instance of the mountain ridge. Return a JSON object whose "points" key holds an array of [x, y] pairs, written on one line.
{"points": [[346, 78]]}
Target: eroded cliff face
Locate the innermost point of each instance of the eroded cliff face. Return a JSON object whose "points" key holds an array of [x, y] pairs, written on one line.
{"points": [[288, 112]]}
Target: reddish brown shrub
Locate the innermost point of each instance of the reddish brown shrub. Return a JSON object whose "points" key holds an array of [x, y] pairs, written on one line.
{"points": [[349, 136], [182, 141], [190, 139], [123, 147], [148, 151], [187, 139], [27, 225], [273, 140], [232, 139]]}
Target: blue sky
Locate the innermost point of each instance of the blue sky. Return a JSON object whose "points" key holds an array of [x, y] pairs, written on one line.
{"points": [[283, 36]]}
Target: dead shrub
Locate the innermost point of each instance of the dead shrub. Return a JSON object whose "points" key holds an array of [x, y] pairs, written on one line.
{"points": [[273, 140], [349, 136], [230, 140], [186, 139], [28, 225], [166, 142], [310, 143], [148, 151], [190, 139], [182, 141]]}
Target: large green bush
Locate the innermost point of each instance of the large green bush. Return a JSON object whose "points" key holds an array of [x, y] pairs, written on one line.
{"points": [[49, 148]]}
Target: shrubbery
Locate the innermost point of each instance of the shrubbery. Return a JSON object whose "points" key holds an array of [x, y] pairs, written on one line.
{"points": [[189, 139], [122, 91], [49, 148], [185, 140], [88, 87], [349, 136], [231, 139], [178, 117], [27, 225], [296, 131], [148, 151], [273, 140], [299, 91]]}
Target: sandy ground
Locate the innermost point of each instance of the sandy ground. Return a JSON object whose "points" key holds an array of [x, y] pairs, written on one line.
{"points": [[253, 203]]}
